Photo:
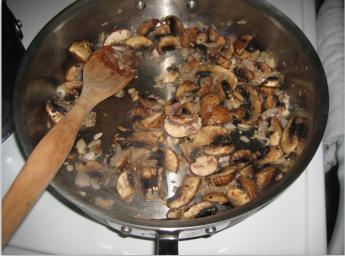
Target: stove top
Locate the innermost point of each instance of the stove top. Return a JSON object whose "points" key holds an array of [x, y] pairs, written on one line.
{"points": [[294, 223]]}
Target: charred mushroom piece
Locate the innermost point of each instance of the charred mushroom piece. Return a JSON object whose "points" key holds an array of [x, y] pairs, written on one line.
{"points": [[182, 126], [273, 81], [88, 166], [188, 37], [215, 197], [126, 184], [148, 183], [264, 177], [146, 27], [247, 171], [162, 30], [143, 139], [81, 50], [218, 150], [237, 196], [117, 36], [222, 61], [204, 166], [196, 210], [138, 113], [241, 156], [168, 43], [255, 106], [153, 121], [138, 42], [249, 186], [224, 177], [176, 25], [75, 73], [55, 112], [186, 87], [185, 192], [241, 43], [245, 74], [276, 132], [289, 140], [273, 154], [171, 161]]}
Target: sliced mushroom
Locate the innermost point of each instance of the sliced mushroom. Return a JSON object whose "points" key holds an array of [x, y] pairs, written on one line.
{"points": [[117, 36], [191, 107], [224, 177], [72, 85], [241, 43], [148, 183], [289, 140], [255, 106], [138, 42], [219, 116], [88, 166], [171, 161], [188, 37], [172, 106], [153, 121], [207, 104], [185, 192], [143, 139], [273, 81], [75, 73], [126, 185], [245, 74], [168, 43], [176, 25], [264, 177], [237, 196], [246, 171], [215, 197], [146, 27], [201, 38], [162, 30], [241, 156], [55, 112], [249, 186], [182, 126], [273, 154], [276, 132], [174, 214], [186, 87], [120, 158], [218, 150], [81, 50], [204, 165], [197, 210], [221, 74], [138, 113]]}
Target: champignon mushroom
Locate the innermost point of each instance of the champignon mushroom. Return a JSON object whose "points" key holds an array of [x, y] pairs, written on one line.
{"points": [[148, 183], [255, 106], [153, 121], [273, 81], [81, 50], [75, 73], [276, 132], [88, 166], [117, 36], [187, 86], [138, 112], [249, 186], [218, 116], [55, 112], [241, 43], [237, 196], [143, 139], [245, 74], [185, 192], [246, 171], [174, 213], [201, 38], [162, 30], [197, 210], [224, 177], [146, 27], [191, 107], [204, 165], [207, 104], [218, 150], [138, 42], [126, 184], [168, 43], [241, 156], [221, 74], [289, 140], [222, 61], [188, 37], [171, 161], [273, 154], [120, 158], [182, 126], [215, 197], [264, 176], [176, 25]]}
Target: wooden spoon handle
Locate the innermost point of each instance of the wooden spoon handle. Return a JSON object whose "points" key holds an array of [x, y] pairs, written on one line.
{"points": [[40, 168]]}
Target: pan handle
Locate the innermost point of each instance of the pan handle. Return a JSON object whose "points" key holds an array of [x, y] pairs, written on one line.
{"points": [[166, 243]]}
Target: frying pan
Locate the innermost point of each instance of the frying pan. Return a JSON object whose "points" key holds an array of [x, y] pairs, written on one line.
{"points": [[47, 58]]}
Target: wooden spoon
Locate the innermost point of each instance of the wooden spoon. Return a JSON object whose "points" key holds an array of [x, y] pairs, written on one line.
{"points": [[106, 72]]}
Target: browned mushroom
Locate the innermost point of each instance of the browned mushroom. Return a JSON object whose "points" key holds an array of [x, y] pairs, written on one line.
{"points": [[241, 156], [186, 87], [182, 126], [148, 183], [273, 154], [162, 30], [276, 132], [176, 25], [224, 177], [126, 184], [171, 161], [152, 121], [81, 50], [195, 210], [218, 150], [143, 139], [273, 81], [215, 197], [237, 196], [168, 43], [146, 27], [174, 213], [264, 177], [188, 37], [138, 42], [290, 136], [218, 116], [117, 36], [204, 165], [191, 107], [185, 192], [241, 43], [245, 74], [55, 111], [255, 106], [249, 186], [221, 74], [88, 166], [75, 73], [120, 158]]}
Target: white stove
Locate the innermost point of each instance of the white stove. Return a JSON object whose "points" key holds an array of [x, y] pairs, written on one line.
{"points": [[294, 223]]}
